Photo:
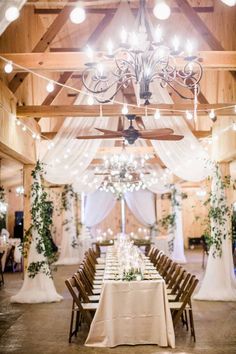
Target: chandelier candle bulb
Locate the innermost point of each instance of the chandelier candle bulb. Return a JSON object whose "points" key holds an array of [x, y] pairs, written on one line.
{"points": [[157, 114], [90, 53], [158, 34], [176, 44], [123, 36], [189, 49], [110, 48]]}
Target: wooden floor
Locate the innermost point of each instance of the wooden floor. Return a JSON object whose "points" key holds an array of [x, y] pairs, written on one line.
{"points": [[43, 328]]}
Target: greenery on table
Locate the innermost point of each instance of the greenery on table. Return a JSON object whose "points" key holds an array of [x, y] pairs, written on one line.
{"points": [[131, 274], [41, 221]]}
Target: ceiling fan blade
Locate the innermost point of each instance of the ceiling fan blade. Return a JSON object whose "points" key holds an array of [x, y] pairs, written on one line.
{"points": [[164, 137], [120, 125], [156, 132], [100, 136], [107, 131], [139, 122]]}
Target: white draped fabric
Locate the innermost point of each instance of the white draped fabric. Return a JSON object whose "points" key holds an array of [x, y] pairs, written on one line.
{"points": [[142, 205], [40, 288], [68, 251], [178, 249], [4, 5], [98, 205], [219, 283]]}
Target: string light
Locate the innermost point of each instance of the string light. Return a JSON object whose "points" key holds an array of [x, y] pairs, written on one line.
{"points": [[50, 86], [125, 109], [12, 13], [8, 68], [189, 115], [161, 10], [24, 128], [212, 115], [77, 15]]}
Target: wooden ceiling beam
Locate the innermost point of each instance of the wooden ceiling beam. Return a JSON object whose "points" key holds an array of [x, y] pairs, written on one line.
{"points": [[174, 9], [75, 61], [114, 110]]}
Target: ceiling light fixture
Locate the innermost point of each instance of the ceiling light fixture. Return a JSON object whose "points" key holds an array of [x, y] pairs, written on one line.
{"points": [[143, 59]]}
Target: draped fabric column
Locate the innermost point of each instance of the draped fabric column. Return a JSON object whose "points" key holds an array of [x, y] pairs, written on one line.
{"points": [[98, 206], [178, 249], [219, 283], [68, 252], [142, 205]]}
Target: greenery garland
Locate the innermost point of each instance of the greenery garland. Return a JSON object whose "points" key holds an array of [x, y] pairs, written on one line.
{"points": [[218, 214], [41, 220], [2, 216]]}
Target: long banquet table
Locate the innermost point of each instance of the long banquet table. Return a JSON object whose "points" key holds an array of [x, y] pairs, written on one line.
{"points": [[131, 312]]}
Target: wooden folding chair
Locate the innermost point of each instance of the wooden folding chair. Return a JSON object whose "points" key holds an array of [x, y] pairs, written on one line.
{"points": [[82, 290], [184, 305], [1, 271], [82, 310]]}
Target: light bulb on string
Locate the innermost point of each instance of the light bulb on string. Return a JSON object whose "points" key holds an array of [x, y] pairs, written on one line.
{"points": [[212, 115], [234, 126], [24, 128], [12, 13], [161, 10], [189, 115], [77, 15], [8, 68], [50, 86], [34, 136], [18, 122], [157, 114], [125, 109]]}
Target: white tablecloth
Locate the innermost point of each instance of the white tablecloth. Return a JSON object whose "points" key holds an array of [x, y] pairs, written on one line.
{"points": [[135, 312]]}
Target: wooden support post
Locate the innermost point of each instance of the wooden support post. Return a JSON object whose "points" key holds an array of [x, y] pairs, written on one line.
{"points": [[27, 182]]}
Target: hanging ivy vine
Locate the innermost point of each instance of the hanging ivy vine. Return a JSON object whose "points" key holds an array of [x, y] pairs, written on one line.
{"points": [[168, 222], [2, 215], [219, 213], [41, 220]]}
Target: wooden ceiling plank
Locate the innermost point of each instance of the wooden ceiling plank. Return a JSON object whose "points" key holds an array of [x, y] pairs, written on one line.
{"points": [[75, 61], [43, 44], [114, 110]]}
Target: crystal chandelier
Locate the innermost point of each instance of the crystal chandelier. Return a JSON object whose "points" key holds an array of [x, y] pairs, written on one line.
{"points": [[142, 58]]}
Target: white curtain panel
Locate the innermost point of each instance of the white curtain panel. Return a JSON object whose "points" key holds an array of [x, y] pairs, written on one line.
{"points": [[142, 204], [68, 253], [219, 283], [178, 249], [98, 205], [4, 5]]}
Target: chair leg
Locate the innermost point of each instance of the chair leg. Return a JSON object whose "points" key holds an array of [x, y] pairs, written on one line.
{"points": [[192, 325], [71, 323]]}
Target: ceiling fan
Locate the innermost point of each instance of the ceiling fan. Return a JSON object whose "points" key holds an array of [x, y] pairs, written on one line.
{"points": [[131, 134]]}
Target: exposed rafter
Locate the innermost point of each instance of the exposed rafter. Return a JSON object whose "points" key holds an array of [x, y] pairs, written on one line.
{"points": [[115, 110]]}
